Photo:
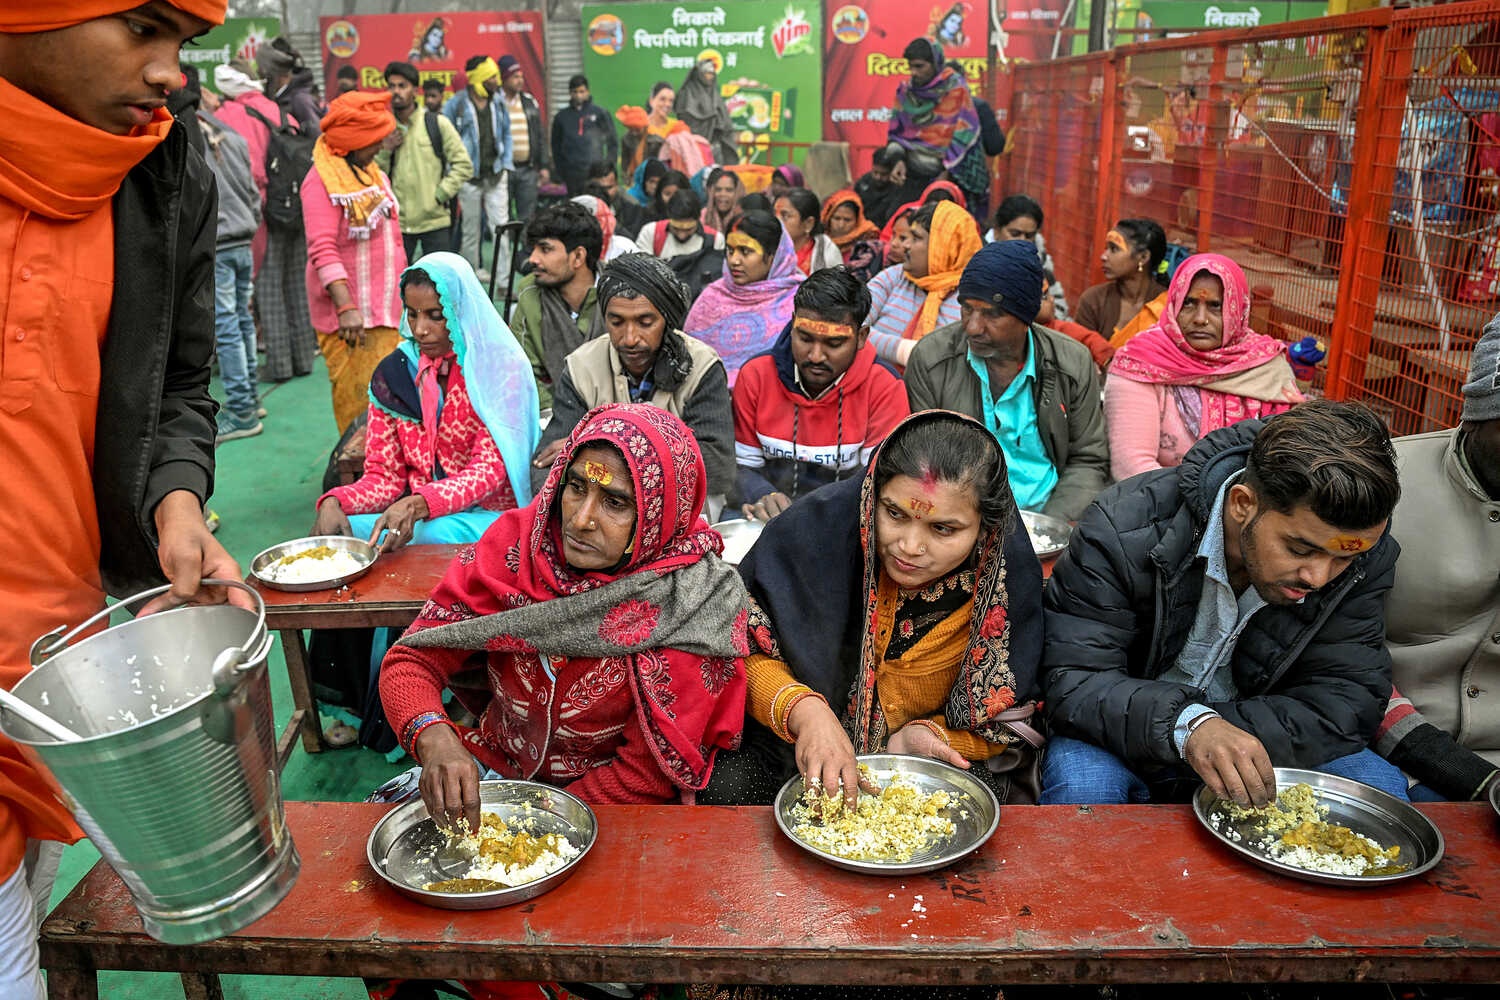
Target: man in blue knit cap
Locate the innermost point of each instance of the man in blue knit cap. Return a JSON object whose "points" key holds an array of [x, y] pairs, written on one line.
{"points": [[1037, 391]]}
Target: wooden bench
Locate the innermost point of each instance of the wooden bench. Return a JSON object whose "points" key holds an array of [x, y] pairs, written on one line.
{"points": [[389, 595], [1060, 894]]}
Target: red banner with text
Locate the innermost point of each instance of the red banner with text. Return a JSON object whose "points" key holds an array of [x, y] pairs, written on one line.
{"points": [[862, 61], [438, 45]]}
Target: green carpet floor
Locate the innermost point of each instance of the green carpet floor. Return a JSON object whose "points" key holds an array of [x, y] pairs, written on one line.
{"points": [[264, 494]]}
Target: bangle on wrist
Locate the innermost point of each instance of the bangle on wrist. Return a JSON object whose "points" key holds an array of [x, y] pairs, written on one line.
{"points": [[936, 729], [417, 726]]}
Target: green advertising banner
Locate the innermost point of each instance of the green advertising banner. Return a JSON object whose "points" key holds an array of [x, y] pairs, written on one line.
{"points": [[1166, 15], [236, 38], [769, 53]]}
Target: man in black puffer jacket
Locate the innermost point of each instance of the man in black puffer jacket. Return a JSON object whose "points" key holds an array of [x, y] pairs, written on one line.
{"points": [[1216, 619]]}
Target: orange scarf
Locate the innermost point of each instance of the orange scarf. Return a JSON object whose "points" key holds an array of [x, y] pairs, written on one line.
{"points": [[75, 186], [863, 229], [953, 239], [20, 17]]}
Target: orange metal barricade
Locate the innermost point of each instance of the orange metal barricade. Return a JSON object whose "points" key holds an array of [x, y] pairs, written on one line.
{"points": [[1351, 165]]}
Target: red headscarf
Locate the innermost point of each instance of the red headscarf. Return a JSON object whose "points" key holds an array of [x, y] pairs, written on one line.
{"points": [[22, 17], [948, 186], [1162, 355], [905, 211], [519, 562]]}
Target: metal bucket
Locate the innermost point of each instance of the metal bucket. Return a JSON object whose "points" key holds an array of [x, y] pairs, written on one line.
{"points": [[175, 780]]}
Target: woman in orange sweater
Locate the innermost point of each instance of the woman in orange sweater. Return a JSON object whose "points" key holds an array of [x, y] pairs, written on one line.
{"points": [[916, 628]]}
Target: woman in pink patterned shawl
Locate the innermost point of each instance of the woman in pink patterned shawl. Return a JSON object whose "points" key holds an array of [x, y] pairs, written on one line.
{"points": [[1199, 368]]}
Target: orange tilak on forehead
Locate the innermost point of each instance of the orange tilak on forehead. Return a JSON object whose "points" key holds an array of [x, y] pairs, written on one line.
{"points": [[597, 473], [1346, 543], [823, 328]]}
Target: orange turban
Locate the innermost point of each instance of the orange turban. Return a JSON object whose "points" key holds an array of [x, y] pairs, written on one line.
{"points": [[356, 120], [21, 17]]}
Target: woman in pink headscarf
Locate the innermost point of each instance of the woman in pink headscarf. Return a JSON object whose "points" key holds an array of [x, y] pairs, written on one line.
{"points": [[1199, 368]]}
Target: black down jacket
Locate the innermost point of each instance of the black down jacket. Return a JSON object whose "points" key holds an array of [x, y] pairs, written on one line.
{"points": [[1313, 678]]}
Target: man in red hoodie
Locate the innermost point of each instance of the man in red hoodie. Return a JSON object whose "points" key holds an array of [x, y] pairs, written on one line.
{"points": [[813, 409]]}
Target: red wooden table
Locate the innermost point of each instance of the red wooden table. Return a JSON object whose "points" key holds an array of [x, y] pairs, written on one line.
{"points": [[701, 894], [389, 595]]}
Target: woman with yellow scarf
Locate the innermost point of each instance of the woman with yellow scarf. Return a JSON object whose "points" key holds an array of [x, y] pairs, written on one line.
{"points": [[910, 301], [354, 251]]}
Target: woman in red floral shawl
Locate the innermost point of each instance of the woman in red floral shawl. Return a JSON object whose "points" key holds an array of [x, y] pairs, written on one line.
{"points": [[595, 633], [899, 612]]}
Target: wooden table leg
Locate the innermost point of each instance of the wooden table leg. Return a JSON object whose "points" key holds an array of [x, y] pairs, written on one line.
{"points": [[201, 986], [287, 741], [300, 677], [72, 984]]}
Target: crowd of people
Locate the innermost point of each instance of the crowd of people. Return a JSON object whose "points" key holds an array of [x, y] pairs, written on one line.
{"points": [[886, 378]]}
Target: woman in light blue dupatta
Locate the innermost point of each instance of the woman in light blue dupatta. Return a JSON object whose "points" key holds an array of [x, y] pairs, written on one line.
{"points": [[453, 420]]}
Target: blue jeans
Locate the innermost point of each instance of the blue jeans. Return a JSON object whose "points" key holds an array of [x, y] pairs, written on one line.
{"points": [[234, 328], [1079, 773]]}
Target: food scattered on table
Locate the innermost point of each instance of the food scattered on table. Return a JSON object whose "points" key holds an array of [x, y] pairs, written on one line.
{"points": [[889, 826], [314, 565], [506, 856], [1292, 830]]}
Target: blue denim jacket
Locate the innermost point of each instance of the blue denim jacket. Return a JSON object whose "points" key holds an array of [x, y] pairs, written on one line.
{"points": [[461, 111]]}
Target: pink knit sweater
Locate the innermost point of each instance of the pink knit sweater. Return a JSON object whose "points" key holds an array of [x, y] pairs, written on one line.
{"points": [[397, 456], [372, 267], [1146, 430]]}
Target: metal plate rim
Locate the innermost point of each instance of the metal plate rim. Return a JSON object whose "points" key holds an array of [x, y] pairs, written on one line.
{"points": [[265, 557], [495, 899], [1204, 800], [896, 868], [1052, 525]]}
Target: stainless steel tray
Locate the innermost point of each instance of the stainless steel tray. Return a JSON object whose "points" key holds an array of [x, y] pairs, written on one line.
{"points": [[738, 536], [404, 846], [1381, 817], [1057, 531], [360, 548], [973, 808]]}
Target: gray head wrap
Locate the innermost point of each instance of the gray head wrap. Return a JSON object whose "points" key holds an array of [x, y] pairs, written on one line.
{"points": [[1482, 391], [635, 274], [273, 60]]}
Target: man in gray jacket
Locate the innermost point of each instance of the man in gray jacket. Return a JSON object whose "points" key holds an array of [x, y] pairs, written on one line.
{"points": [[1037, 391], [1442, 726], [228, 156]]}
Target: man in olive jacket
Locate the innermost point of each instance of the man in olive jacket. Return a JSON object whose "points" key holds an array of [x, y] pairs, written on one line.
{"points": [[1037, 391], [1215, 619]]}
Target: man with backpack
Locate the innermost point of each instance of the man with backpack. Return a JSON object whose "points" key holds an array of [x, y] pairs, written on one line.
{"points": [[427, 167], [281, 284]]}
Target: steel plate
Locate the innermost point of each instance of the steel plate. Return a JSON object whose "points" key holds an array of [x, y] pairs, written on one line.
{"points": [[739, 536], [1056, 532], [404, 846], [1383, 818], [972, 807], [360, 548]]}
